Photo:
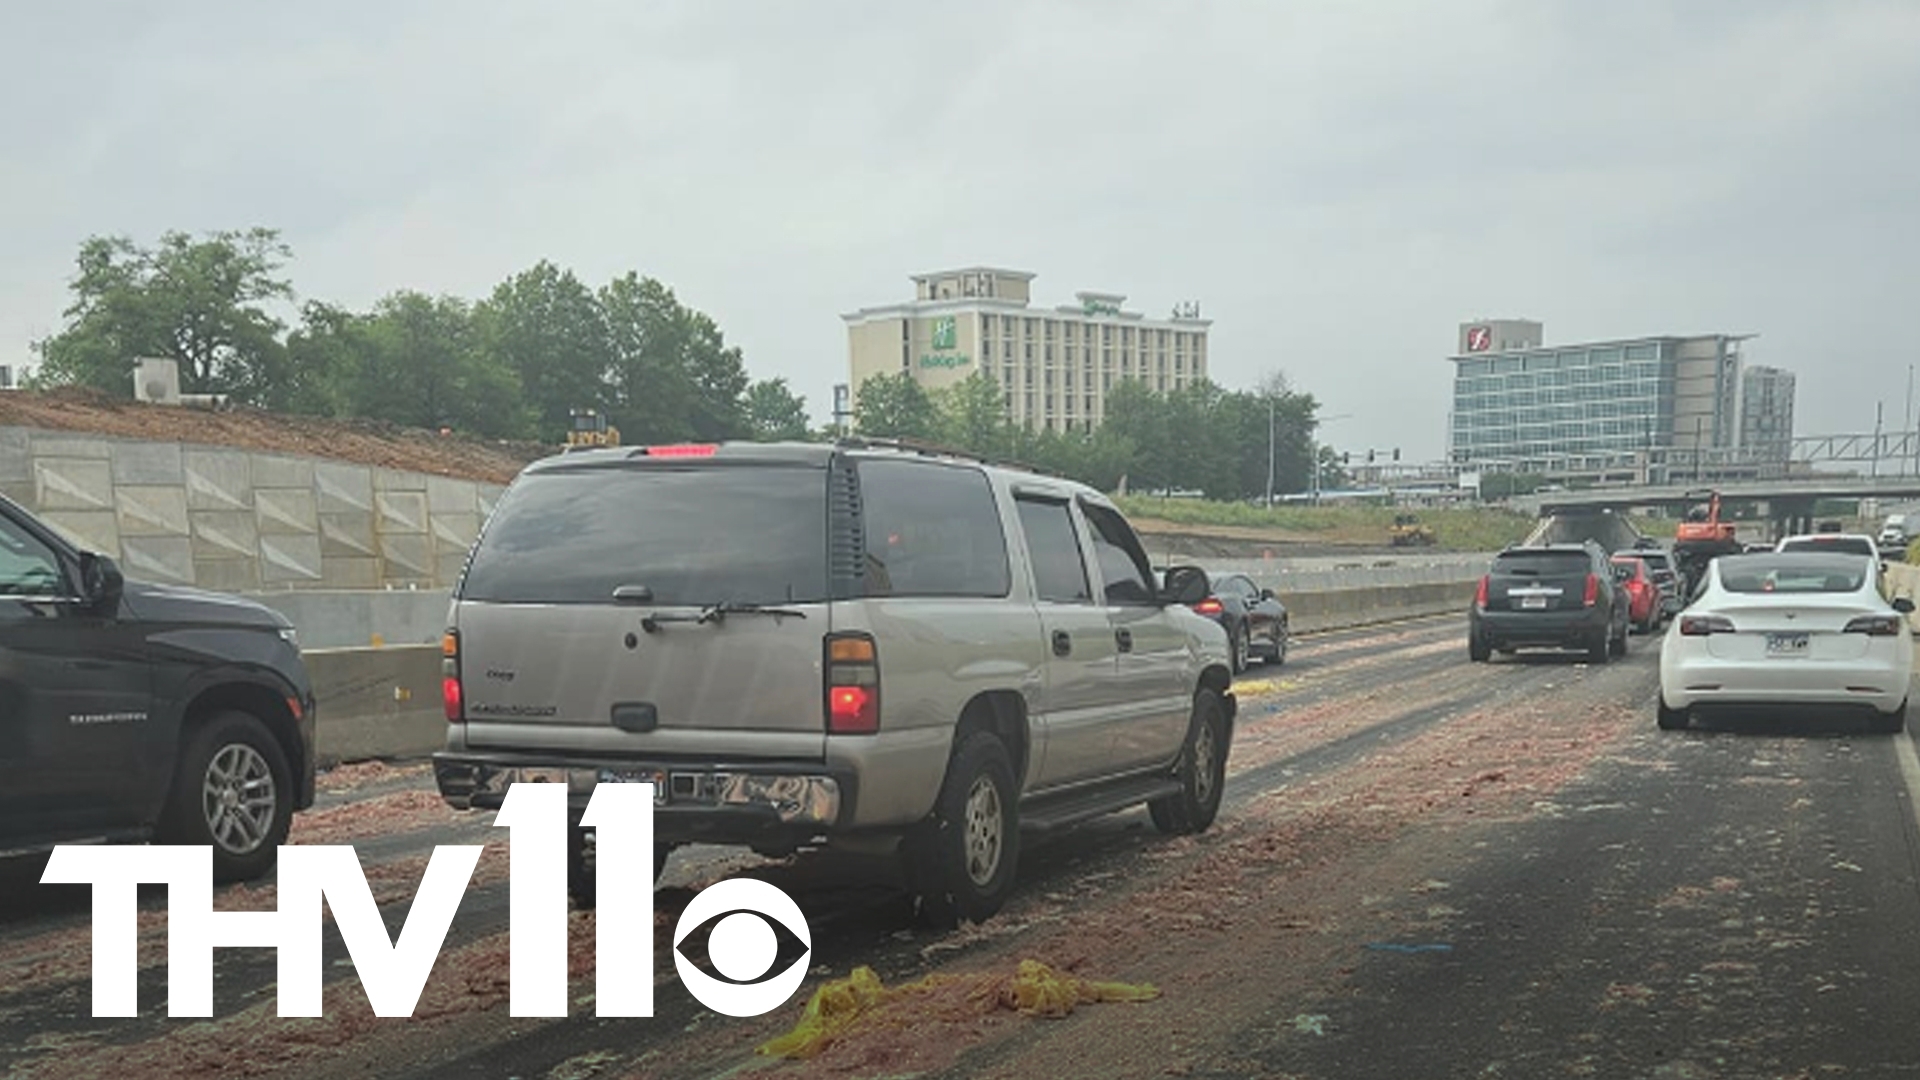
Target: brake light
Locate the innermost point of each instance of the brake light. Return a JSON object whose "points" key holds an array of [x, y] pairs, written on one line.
{"points": [[683, 450], [1209, 606], [1703, 625], [452, 698], [1876, 625], [853, 685], [1480, 592], [1593, 589]]}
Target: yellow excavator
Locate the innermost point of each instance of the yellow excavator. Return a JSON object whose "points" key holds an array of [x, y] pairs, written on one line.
{"points": [[1407, 531], [589, 428]]}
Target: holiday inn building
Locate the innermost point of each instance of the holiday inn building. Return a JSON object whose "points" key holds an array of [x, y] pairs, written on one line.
{"points": [[1054, 366]]}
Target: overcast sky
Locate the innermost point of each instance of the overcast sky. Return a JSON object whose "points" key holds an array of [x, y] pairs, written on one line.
{"points": [[1338, 184]]}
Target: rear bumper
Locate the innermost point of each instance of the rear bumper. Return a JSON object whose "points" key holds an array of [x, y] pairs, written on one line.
{"points": [[1543, 629], [1798, 684], [742, 803]]}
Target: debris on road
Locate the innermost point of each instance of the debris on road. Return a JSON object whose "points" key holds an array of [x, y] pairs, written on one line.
{"points": [[861, 1001]]}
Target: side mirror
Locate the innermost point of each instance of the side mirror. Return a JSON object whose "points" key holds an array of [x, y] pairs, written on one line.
{"points": [[100, 580], [1185, 585], [1267, 594], [1903, 605]]}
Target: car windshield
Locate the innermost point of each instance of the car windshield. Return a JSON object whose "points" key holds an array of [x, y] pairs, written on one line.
{"points": [[1791, 573], [694, 535]]}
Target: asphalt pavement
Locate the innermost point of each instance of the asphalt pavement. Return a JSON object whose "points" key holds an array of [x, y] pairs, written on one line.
{"points": [[1424, 868]]}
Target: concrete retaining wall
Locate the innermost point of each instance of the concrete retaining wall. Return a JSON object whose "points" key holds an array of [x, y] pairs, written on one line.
{"points": [[362, 618], [238, 521]]}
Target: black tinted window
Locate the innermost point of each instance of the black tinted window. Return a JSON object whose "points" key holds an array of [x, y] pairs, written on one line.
{"points": [[1543, 563], [27, 566], [932, 530], [1059, 573], [694, 535], [1122, 563]]}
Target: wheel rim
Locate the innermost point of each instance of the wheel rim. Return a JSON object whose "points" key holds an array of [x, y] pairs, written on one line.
{"points": [[238, 798], [1204, 753], [985, 827]]}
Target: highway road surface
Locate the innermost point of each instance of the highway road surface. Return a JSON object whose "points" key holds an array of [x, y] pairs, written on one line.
{"points": [[1424, 868]]}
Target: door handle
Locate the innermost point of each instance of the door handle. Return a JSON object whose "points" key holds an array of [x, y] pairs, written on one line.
{"points": [[1062, 643], [1123, 637]]}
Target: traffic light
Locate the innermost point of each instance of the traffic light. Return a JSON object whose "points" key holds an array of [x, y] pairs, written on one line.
{"points": [[1369, 457], [1346, 458], [1396, 453]]}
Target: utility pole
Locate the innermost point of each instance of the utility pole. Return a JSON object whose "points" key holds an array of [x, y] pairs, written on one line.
{"points": [[1272, 450], [1879, 407]]}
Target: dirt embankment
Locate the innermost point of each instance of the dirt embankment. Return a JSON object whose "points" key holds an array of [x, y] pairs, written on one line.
{"points": [[362, 442]]}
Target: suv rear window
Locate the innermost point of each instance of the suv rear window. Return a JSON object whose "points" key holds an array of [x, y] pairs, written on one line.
{"points": [[694, 535], [1542, 563]]}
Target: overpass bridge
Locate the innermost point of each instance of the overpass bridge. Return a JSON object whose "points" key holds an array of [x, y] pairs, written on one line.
{"points": [[1788, 502]]}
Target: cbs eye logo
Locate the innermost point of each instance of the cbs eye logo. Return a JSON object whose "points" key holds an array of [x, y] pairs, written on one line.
{"points": [[743, 919]]}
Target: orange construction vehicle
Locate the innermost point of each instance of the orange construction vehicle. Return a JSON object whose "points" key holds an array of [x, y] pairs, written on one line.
{"points": [[1702, 536]]}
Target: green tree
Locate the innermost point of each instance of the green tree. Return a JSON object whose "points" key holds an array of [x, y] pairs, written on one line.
{"points": [[671, 374], [545, 327], [774, 412], [196, 301], [895, 406], [973, 417], [1141, 417]]}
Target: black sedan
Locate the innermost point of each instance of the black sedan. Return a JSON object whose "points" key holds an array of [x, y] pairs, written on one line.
{"points": [[1256, 622]]}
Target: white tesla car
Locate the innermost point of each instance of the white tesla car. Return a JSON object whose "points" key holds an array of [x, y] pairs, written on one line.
{"points": [[1789, 629]]}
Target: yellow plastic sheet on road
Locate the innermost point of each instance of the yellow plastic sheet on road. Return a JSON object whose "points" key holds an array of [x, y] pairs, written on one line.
{"points": [[1034, 989]]}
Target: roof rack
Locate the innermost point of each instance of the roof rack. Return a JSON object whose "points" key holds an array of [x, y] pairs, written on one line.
{"points": [[927, 449]]}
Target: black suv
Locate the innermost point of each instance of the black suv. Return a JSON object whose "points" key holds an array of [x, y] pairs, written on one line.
{"points": [[1557, 596], [134, 712]]}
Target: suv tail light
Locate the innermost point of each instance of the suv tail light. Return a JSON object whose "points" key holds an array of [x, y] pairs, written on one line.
{"points": [[1703, 625], [1209, 606], [1480, 592], [451, 698], [1593, 589], [853, 685], [1877, 625]]}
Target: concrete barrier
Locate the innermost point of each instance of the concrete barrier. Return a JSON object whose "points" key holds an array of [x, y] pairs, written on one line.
{"points": [[385, 702], [377, 703]]}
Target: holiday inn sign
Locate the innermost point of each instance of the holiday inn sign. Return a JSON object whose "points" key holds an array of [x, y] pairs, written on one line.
{"points": [[946, 335]]}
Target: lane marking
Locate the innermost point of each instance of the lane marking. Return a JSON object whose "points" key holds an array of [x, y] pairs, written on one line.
{"points": [[1910, 772]]}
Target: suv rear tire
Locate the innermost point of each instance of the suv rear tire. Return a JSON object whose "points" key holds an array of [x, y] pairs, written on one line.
{"points": [[1202, 772], [1892, 723], [1617, 646], [963, 860], [233, 790], [1479, 649], [1601, 647]]}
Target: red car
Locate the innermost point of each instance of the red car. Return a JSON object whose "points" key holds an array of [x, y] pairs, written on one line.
{"points": [[1643, 593]]}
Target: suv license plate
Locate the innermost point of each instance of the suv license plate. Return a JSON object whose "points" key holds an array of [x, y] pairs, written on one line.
{"points": [[1533, 602], [656, 777], [1787, 645]]}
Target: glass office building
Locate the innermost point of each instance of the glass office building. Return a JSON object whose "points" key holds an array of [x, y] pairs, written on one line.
{"points": [[1593, 407]]}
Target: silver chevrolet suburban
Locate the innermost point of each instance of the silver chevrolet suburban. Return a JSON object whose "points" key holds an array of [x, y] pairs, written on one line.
{"points": [[866, 644]]}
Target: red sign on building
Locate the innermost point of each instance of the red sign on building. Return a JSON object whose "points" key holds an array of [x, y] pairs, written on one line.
{"points": [[1479, 338]]}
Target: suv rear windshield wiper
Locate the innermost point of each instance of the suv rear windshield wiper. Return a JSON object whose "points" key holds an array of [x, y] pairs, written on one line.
{"points": [[717, 612]]}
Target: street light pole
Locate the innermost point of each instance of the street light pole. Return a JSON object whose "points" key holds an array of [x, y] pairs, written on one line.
{"points": [[1270, 452]]}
